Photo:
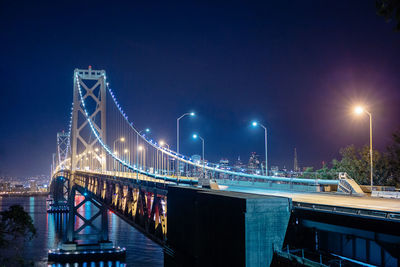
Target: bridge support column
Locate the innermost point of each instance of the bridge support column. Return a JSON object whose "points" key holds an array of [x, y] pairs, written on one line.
{"points": [[91, 234], [220, 228], [59, 192]]}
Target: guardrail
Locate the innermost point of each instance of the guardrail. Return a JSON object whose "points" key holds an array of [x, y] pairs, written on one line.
{"points": [[376, 214], [386, 194]]}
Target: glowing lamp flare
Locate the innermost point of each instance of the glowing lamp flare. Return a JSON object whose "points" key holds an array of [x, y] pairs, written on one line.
{"points": [[359, 110]]}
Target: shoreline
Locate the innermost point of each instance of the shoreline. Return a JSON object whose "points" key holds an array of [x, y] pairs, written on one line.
{"points": [[23, 194]]}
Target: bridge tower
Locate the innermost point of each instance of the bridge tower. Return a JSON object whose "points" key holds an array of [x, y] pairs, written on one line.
{"points": [[92, 85], [59, 187], [88, 232], [63, 147]]}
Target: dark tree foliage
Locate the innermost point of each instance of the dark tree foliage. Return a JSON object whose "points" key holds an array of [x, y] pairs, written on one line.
{"points": [[394, 157], [15, 222], [16, 226], [356, 163], [389, 9]]}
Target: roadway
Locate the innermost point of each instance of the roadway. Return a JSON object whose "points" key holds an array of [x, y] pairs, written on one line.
{"points": [[331, 199]]}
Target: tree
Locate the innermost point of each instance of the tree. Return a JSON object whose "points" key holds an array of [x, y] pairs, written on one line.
{"points": [[393, 156], [307, 173], [349, 163], [389, 9], [356, 163], [16, 227], [326, 173]]}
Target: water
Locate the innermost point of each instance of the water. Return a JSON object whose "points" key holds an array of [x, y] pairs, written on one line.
{"points": [[141, 251]]}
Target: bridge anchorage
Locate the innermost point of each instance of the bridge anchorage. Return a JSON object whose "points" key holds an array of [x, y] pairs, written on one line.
{"points": [[200, 212]]}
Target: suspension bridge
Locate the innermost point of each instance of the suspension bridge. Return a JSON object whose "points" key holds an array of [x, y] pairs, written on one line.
{"points": [[195, 208]]}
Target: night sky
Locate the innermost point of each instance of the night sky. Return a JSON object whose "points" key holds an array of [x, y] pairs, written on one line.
{"points": [[296, 66]]}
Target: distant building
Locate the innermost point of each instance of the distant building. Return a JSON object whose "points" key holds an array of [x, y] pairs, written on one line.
{"points": [[274, 168], [196, 159], [254, 165], [296, 164], [5, 187], [33, 185], [18, 188], [196, 170], [223, 163], [239, 164]]}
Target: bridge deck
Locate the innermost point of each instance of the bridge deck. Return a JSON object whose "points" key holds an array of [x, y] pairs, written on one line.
{"points": [[332, 199]]}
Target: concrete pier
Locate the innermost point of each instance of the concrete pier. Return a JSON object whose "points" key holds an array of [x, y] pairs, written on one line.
{"points": [[219, 228]]}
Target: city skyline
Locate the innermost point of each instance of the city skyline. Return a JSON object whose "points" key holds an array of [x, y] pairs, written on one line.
{"points": [[231, 66]]}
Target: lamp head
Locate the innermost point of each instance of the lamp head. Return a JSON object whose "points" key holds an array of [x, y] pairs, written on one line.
{"points": [[125, 151], [195, 136], [147, 130], [192, 114], [140, 148], [122, 139], [359, 110], [254, 123], [162, 143]]}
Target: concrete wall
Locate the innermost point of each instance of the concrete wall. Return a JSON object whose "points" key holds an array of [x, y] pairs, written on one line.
{"points": [[219, 228]]}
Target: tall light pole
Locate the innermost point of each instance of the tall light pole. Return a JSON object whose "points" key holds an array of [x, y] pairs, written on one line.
{"points": [[177, 128], [255, 124], [121, 139], [195, 136], [177, 136], [162, 144], [359, 110], [127, 152], [137, 150]]}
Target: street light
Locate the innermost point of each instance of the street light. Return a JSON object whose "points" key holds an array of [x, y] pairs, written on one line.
{"points": [[162, 144], [121, 139], [147, 130], [255, 124], [177, 136], [177, 128], [359, 110], [140, 148], [195, 136]]}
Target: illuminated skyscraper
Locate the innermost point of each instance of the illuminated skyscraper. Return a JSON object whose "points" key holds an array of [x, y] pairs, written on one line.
{"points": [[296, 164]]}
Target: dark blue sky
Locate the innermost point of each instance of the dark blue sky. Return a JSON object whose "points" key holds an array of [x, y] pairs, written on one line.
{"points": [[297, 66]]}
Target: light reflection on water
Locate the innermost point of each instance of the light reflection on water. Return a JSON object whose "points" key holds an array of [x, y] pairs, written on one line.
{"points": [[141, 251]]}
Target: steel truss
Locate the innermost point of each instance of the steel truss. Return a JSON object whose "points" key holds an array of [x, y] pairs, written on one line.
{"points": [[81, 78], [59, 190], [143, 206], [100, 233], [62, 150]]}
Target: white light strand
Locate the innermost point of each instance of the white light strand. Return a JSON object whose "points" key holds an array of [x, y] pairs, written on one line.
{"points": [[104, 145], [173, 154]]}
